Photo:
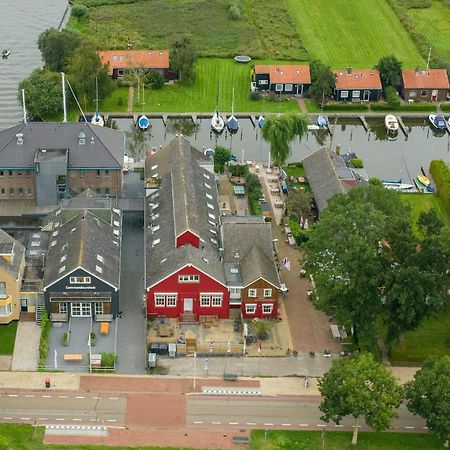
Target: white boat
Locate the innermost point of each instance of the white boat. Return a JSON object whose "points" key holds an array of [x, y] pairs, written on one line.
{"points": [[6, 53], [391, 123], [313, 127], [261, 121], [437, 121], [143, 122], [217, 122], [97, 119]]}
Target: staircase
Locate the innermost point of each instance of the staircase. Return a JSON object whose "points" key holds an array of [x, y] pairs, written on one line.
{"points": [[40, 306], [187, 319]]}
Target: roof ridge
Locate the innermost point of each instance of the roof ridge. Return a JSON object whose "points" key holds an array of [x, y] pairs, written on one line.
{"points": [[20, 128], [91, 127], [327, 152]]}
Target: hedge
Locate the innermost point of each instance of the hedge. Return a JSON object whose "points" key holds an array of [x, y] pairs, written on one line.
{"points": [[345, 107], [445, 106], [43, 342], [420, 107], [441, 175]]}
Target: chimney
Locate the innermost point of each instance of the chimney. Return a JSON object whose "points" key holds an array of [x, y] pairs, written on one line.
{"points": [[19, 137], [81, 139], [349, 70], [92, 140]]}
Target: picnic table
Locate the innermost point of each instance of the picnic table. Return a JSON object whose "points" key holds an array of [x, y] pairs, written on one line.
{"points": [[239, 190]]}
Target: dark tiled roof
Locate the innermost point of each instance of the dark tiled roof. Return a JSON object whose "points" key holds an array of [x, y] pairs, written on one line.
{"points": [[255, 265], [78, 242], [180, 205], [9, 246], [103, 148]]}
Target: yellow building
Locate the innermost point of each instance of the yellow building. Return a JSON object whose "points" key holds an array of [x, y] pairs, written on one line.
{"points": [[12, 265]]}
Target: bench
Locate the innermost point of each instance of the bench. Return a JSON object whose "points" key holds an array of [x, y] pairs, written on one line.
{"points": [[73, 357], [104, 327], [230, 377]]}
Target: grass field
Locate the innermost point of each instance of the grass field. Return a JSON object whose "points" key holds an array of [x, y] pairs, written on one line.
{"points": [[335, 440], [263, 31], [7, 338], [434, 23], [352, 32]]}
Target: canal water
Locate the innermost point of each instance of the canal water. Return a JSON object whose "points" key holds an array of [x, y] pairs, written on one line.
{"points": [[21, 22], [387, 159]]}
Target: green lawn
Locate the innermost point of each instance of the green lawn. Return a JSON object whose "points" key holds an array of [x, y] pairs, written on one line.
{"points": [[434, 23], [338, 440], [117, 101], [201, 95], [352, 32], [263, 31], [7, 338], [432, 337]]}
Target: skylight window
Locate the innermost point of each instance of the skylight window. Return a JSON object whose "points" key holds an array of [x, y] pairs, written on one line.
{"points": [[210, 206], [98, 269], [100, 258], [154, 167], [207, 185], [155, 228], [54, 243], [206, 175], [213, 231], [64, 247], [72, 230], [214, 241], [116, 223], [35, 243], [154, 216], [156, 242], [212, 216], [63, 258], [212, 223], [58, 212], [62, 269], [55, 233], [116, 232], [163, 260], [153, 196], [209, 196], [36, 235]]}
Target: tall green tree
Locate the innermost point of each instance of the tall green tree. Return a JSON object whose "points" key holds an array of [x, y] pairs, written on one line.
{"points": [[362, 388], [279, 130], [298, 204], [183, 57], [323, 81], [390, 69], [221, 156], [428, 395], [56, 46], [83, 67], [43, 93]]}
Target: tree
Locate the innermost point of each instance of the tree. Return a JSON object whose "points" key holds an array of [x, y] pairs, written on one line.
{"points": [[298, 204], [43, 94], [154, 79], [428, 395], [361, 387], [390, 69], [221, 156], [323, 80], [83, 67], [429, 222], [279, 130], [183, 58], [56, 46]]}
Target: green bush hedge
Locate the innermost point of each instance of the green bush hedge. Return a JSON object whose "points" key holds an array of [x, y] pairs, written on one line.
{"points": [[441, 175], [345, 107], [445, 106], [420, 106], [43, 342]]}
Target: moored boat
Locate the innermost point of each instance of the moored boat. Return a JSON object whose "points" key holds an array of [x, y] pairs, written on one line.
{"points": [[261, 121], [322, 121], [6, 53], [423, 180], [217, 123], [232, 123], [391, 123], [143, 122], [437, 121]]}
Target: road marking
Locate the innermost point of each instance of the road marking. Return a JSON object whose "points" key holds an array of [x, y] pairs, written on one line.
{"points": [[12, 395], [425, 428], [96, 398], [111, 420], [320, 425], [114, 398], [233, 423], [46, 396], [409, 428], [24, 418], [79, 397], [93, 420], [216, 423], [62, 396], [268, 424], [77, 420], [250, 423], [59, 419], [338, 426], [7, 418], [30, 396], [303, 425], [286, 424], [42, 418], [198, 422]]}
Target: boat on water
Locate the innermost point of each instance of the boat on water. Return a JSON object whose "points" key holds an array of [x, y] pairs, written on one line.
{"points": [[5, 53], [313, 127], [322, 121], [261, 121], [97, 119], [423, 180], [217, 122], [438, 122], [143, 122], [232, 123], [391, 123]]}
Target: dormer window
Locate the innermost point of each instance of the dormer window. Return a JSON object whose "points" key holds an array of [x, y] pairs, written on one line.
{"points": [[206, 176], [209, 196], [100, 258], [212, 216], [155, 228], [62, 269], [81, 139], [207, 186], [156, 242], [210, 206], [214, 241], [98, 269], [63, 258], [116, 223]]}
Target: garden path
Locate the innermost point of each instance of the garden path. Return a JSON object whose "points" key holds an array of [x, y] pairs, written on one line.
{"points": [[130, 99]]}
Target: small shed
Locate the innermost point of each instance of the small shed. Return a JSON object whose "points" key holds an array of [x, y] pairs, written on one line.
{"points": [[239, 191]]}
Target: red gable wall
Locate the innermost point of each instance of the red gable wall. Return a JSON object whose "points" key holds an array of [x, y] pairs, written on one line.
{"points": [[188, 238]]}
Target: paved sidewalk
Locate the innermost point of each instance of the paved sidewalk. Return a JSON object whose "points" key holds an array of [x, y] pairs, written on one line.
{"points": [[26, 348], [36, 380]]}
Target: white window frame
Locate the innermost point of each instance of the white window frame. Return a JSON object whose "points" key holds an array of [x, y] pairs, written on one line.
{"points": [[356, 94], [252, 293], [62, 307], [288, 87], [6, 310], [279, 87], [216, 300], [98, 308], [344, 94], [263, 82], [267, 293], [250, 308], [160, 300], [3, 293], [423, 92], [80, 280], [205, 300], [235, 290], [171, 300], [267, 308], [188, 278]]}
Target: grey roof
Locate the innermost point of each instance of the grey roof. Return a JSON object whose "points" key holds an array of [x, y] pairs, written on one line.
{"points": [[181, 204], [87, 199], [103, 148], [324, 171], [9, 246], [247, 240], [78, 242]]}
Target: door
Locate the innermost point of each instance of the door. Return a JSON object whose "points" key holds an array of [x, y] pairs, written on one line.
{"points": [[24, 305], [188, 305], [81, 310], [366, 96], [434, 95]]}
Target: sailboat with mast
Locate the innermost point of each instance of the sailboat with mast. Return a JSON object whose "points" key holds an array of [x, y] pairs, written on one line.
{"points": [[217, 122], [143, 121], [97, 119], [232, 123]]}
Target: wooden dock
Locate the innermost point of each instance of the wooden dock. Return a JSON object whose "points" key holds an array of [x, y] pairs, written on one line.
{"points": [[364, 123], [403, 127]]}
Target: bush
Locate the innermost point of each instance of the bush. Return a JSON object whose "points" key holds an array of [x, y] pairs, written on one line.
{"points": [[79, 11], [254, 192], [65, 339], [419, 106], [238, 170], [256, 95], [43, 342], [154, 79], [391, 97], [441, 175], [345, 107], [235, 12], [108, 360], [445, 106], [357, 163]]}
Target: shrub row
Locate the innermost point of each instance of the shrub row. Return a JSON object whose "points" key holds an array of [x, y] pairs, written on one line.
{"points": [[254, 192], [43, 342], [234, 9], [95, 3], [345, 107], [420, 106], [441, 175], [445, 106]]}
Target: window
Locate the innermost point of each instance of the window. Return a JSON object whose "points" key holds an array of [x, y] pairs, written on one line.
{"points": [[206, 176], [205, 300], [29, 191], [212, 223], [107, 191], [20, 191], [63, 258], [235, 291], [344, 94], [423, 93], [267, 293], [207, 186], [267, 309], [212, 216], [80, 280], [155, 228], [252, 292], [188, 278], [28, 173], [100, 258], [156, 242], [98, 269], [263, 81], [154, 167], [3, 290], [1, 173], [5, 310], [216, 300], [116, 223], [214, 241], [250, 308], [106, 173], [288, 87], [210, 206], [213, 231], [98, 308], [19, 173], [278, 87], [62, 308], [54, 243], [209, 196], [62, 269], [98, 173], [171, 300], [11, 192], [10, 173], [413, 94], [81, 173], [160, 300], [356, 94], [3, 191]]}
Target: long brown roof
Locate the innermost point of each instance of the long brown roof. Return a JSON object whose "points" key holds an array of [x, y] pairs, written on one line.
{"points": [[357, 79], [425, 79], [146, 59], [298, 74]]}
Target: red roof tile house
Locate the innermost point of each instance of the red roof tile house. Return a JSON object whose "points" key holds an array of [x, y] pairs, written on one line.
{"points": [[357, 85], [425, 85], [282, 79], [119, 61]]}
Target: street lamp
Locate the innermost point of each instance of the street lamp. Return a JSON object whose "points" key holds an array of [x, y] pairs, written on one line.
{"points": [[195, 359]]}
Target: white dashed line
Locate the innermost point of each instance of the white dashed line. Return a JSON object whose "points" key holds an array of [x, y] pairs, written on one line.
{"points": [[24, 418], [338, 426], [42, 418], [7, 418], [59, 419], [409, 428], [250, 423], [62, 396], [268, 424], [233, 423], [95, 398], [46, 396], [111, 420], [29, 396], [425, 428], [198, 422], [93, 420], [215, 423], [77, 420], [286, 424], [12, 395], [303, 425], [320, 425], [79, 397], [114, 398]]}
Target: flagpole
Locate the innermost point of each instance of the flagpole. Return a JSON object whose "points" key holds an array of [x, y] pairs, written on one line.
{"points": [[195, 359]]}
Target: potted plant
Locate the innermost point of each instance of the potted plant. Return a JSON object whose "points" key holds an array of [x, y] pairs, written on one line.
{"points": [[66, 339], [93, 338]]}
